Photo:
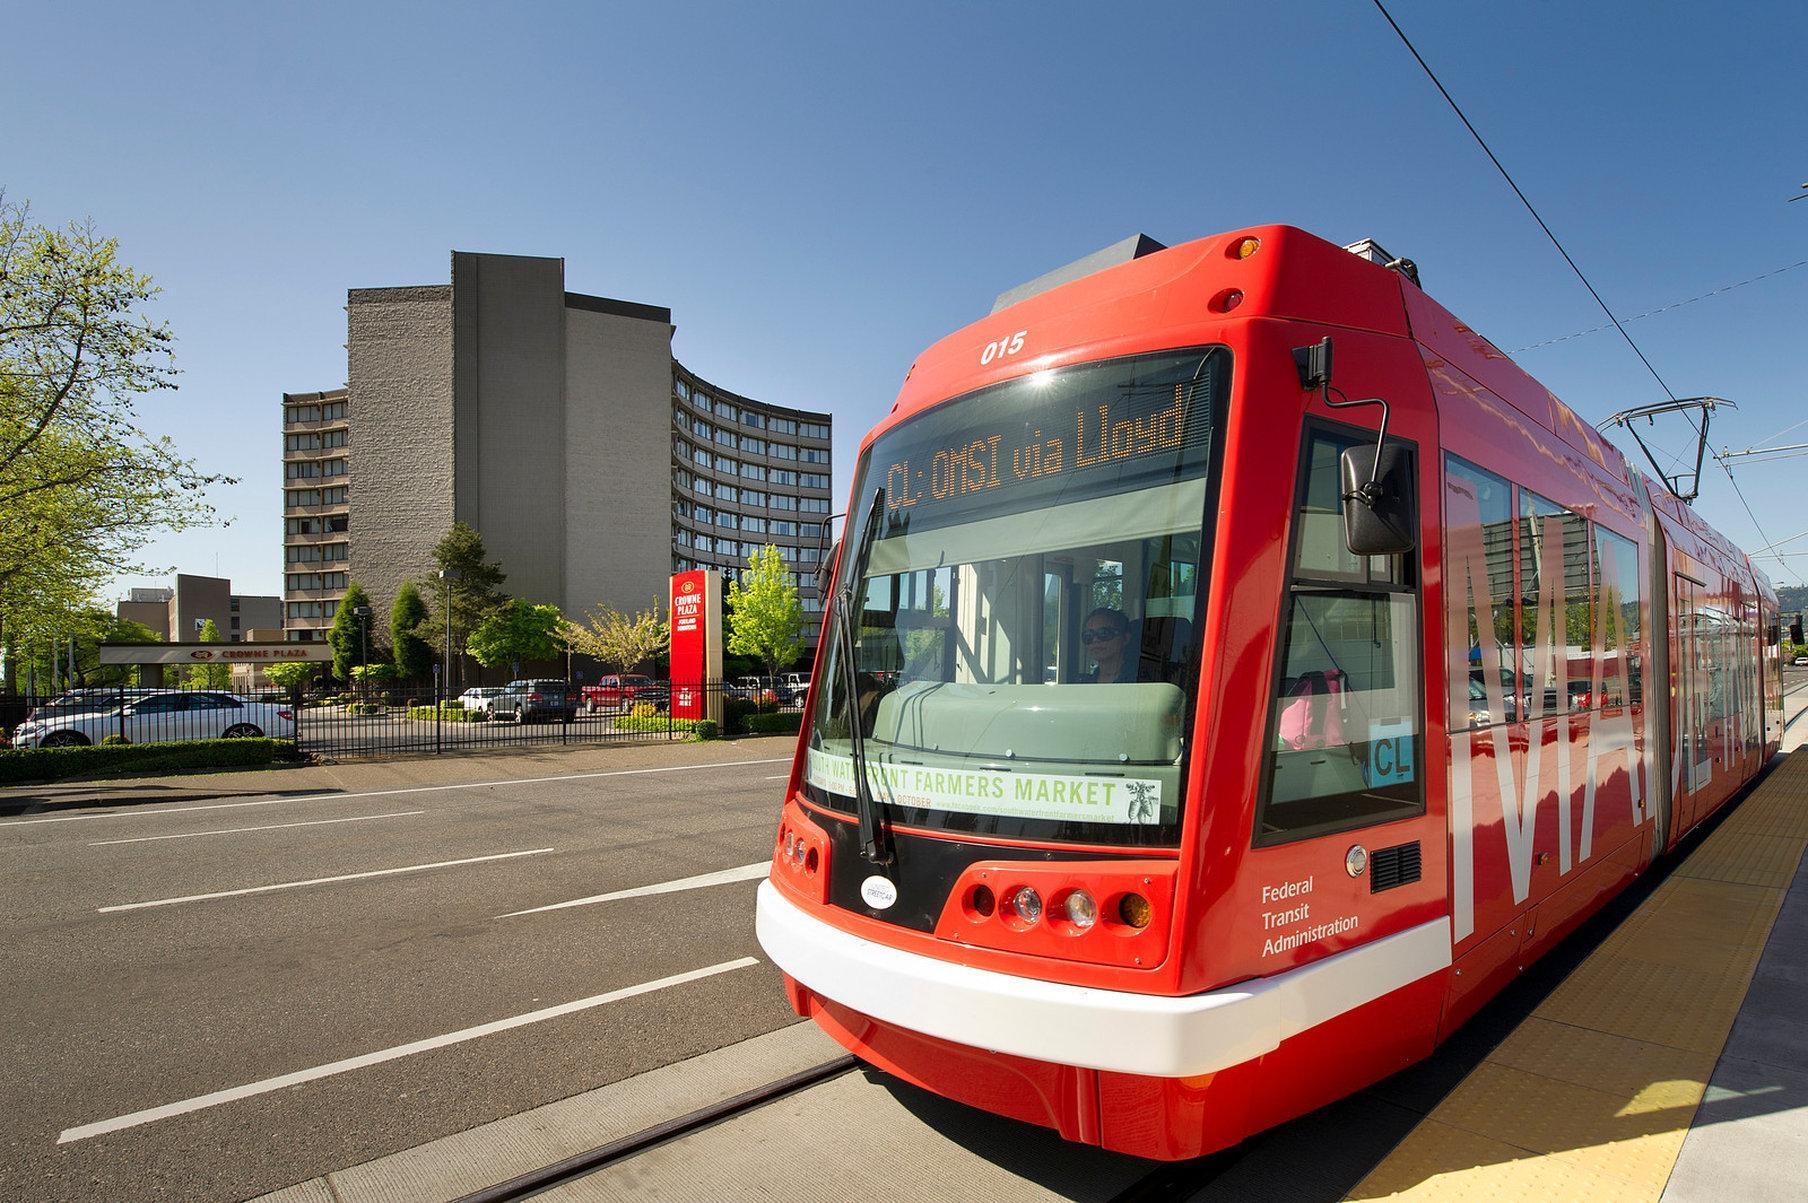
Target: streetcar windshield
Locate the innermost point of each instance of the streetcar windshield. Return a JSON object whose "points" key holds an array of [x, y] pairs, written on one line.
{"points": [[1027, 610]]}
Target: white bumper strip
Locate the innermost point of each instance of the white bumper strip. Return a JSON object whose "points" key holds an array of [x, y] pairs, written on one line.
{"points": [[1077, 1025]]}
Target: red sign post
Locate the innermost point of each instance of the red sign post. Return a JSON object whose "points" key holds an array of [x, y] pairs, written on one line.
{"points": [[697, 644]]}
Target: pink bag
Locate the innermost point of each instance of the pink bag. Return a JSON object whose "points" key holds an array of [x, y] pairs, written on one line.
{"points": [[1313, 717]]}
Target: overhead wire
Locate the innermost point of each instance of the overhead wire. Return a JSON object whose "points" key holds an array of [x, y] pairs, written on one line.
{"points": [[1551, 342], [1567, 258]]}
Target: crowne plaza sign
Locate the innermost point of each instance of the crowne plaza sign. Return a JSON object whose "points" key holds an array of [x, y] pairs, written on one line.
{"points": [[213, 653]]}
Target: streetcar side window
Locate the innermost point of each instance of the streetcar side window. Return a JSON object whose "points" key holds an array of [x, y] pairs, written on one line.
{"points": [[1553, 652], [1344, 747], [1617, 643], [1485, 687]]}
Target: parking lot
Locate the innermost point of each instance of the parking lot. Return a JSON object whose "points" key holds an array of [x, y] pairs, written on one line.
{"points": [[221, 994]]}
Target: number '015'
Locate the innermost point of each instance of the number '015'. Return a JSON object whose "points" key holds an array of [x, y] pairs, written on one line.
{"points": [[1003, 347]]}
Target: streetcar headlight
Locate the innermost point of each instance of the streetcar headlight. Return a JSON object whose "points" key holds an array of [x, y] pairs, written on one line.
{"points": [[1082, 911], [797, 852], [1135, 910], [1027, 904]]}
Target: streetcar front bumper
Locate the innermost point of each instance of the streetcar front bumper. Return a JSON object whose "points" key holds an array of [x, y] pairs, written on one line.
{"points": [[1155, 1035]]}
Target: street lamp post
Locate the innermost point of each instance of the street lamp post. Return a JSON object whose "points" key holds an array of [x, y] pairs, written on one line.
{"points": [[362, 613], [447, 576]]}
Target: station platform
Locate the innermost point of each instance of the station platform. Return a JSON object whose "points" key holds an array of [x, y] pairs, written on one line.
{"points": [[1669, 1062]]}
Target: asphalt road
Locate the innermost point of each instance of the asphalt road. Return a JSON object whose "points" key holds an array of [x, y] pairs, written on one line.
{"points": [[110, 1014], [113, 1013]]}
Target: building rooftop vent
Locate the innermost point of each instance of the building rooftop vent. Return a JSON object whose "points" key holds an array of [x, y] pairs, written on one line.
{"points": [[1133, 247]]}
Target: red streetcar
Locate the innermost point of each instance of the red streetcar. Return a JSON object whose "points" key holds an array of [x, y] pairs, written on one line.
{"points": [[1239, 670]]}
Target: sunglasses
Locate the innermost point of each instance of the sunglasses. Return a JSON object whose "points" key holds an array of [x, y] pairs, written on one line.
{"points": [[1099, 635]]}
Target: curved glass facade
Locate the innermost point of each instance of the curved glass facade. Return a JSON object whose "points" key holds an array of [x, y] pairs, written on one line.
{"points": [[745, 474]]}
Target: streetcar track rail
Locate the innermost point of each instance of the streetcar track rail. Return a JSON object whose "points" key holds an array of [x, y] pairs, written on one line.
{"points": [[589, 1161]]}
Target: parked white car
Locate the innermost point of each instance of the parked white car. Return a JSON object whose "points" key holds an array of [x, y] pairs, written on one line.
{"points": [[161, 718], [481, 697]]}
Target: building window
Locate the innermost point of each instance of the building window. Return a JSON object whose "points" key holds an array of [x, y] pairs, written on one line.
{"points": [[814, 430], [752, 497], [814, 505], [754, 526], [752, 420], [814, 455], [784, 476], [725, 464], [753, 472], [813, 480], [782, 502], [727, 438], [683, 390], [752, 445], [781, 425], [783, 451]]}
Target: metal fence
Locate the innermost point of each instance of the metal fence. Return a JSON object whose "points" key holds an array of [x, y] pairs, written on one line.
{"points": [[398, 718]]}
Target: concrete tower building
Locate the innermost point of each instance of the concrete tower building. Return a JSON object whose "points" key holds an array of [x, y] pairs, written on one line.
{"points": [[561, 428]]}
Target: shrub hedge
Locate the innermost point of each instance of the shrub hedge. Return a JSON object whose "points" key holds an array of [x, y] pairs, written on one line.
{"points": [[449, 714], [656, 722], [785, 722], [19, 765]]}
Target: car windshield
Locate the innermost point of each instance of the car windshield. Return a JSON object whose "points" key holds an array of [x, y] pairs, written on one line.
{"points": [[1026, 632]]}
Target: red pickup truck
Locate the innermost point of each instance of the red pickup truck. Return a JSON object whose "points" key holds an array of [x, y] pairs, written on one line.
{"points": [[619, 694]]}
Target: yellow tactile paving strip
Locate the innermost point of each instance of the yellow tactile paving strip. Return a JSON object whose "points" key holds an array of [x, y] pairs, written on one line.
{"points": [[1591, 1096]]}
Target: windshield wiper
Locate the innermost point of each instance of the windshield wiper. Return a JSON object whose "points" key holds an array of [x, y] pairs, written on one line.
{"points": [[875, 838]]}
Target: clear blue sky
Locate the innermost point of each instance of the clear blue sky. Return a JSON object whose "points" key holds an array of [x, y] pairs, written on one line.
{"points": [[818, 191]]}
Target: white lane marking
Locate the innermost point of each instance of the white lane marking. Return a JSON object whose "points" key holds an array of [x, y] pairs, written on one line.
{"points": [[235, 1093], [316, 881], [385, 793], [189, 835], [723, 877], [779, 777]]}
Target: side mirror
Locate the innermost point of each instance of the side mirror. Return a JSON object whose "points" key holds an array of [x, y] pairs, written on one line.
{"points": [[1380, 501], [825, 568]]}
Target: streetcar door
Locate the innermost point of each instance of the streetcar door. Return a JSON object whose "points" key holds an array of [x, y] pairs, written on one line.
{"points": [[1658, 720], [1694, 754]]}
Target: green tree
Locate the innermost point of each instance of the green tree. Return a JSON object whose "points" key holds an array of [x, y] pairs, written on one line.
{"points": [[211, 675], [348, 636], [82, 486], [619, 642], [467, 581], [291, 675], [413, 658], [518, 631], [766, 618], [44, 659]]}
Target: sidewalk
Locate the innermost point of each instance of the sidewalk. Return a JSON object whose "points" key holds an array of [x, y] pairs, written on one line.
{"points": [[397, 773]]}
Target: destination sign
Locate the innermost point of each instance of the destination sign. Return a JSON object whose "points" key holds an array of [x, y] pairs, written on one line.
{"points": [[1063, 435]]}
